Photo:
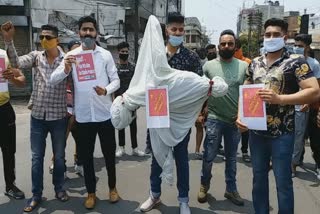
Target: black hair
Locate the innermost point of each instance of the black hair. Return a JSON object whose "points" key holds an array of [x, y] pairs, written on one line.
{"points": [[210, 46], [52, 28], [227, 32], [72, 43], [202, 53], [85, 19], [311, 53], [175, 17], [122, 45], [277, 22], [305, 38]]}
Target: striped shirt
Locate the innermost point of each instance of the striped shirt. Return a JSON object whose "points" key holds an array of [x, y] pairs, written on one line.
{"points": [[48, 101]]}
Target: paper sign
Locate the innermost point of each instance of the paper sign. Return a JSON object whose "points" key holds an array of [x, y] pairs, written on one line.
{"points": [[252, 108], [157, 106], [85, 67], [3, 81]]}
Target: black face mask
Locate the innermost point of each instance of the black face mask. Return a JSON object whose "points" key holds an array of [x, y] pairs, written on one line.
{"points": [[226, 54], [124, 57], [211, 56]]}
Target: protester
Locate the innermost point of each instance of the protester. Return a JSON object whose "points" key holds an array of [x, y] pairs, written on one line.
{"points": [[211, 52]]}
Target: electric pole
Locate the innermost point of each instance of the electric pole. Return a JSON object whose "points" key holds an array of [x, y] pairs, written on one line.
{"points": [[136, 29]]}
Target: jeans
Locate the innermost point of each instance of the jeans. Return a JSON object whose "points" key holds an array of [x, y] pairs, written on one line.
{"points": [[39, 132], [148, 141], [279, 150], [215, 130], [301, 122], [8, 143], [314, 134], [244, 142], [87, 133], [133, 135], [180, 153]]}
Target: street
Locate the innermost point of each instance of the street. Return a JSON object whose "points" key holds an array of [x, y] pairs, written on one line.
{"points": [[133, 181]]}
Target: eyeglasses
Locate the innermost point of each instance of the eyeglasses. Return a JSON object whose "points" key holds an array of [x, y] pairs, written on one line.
{"points": [[41, 37]]}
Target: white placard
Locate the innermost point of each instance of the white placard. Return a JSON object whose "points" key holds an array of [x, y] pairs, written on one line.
{"points": [[3, 81]]}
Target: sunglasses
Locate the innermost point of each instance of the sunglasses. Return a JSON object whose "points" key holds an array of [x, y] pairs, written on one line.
{"points": [[41, 37]]}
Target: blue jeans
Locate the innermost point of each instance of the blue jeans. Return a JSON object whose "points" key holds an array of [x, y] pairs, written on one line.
{"points": [[300, 124], [39, 132], [215, 130], [279, 150], [180, 153]]}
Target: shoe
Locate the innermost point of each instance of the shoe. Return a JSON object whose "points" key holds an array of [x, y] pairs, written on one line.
{"points": [[120, 152], [78, 169], [202, 194], [14, 192], [246, 158], [234, 197], [184, 208], [318, 173], [90, 201], [51, 168], [149, 204], [137, 152], [114, 196], [221, 152], [198, 155], [293, 170], [147, 151]]}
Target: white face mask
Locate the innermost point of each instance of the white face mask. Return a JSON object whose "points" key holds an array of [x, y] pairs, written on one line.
{"points": [[273, 44]]}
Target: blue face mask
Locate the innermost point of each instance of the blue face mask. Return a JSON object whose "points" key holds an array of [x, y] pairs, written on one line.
{"points": [[175, 41], [298, 50]]}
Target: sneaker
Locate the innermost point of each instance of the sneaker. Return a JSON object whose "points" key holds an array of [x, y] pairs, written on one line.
{"points": [[14, 192], [147, 151], [198, 155], [78, 169], [202, 194], [318, 173], [234, 197], [293, 170], [51, 168], [137, 152], [149, 204], [184, 208], [246, 158], [120, 152]]}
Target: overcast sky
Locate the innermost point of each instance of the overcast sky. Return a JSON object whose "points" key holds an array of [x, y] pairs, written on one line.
{"points": [[218, 15]]}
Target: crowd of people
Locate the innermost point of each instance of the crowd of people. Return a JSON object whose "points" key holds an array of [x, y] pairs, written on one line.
{"points": [[60, 103]]}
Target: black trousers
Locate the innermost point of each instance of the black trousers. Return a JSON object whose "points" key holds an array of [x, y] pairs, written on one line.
{"points": [[314, 135], [8, 142], [244, 142], [87, 133], [133, 135]]}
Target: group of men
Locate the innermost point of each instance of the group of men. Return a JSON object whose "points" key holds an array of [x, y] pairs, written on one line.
{"points": [[288, 81]]}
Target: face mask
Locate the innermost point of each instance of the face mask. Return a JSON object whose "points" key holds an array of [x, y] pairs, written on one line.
{"points": [[298, 50], [124, 57], [49, 44], [88, 42], [226, 54], [175, 41], [211, 56], [273, 44]]}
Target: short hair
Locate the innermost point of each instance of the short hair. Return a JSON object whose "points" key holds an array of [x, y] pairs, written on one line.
{"points": [[210, 46], [122, 45], [52, 28], [311, 53], [228, 32], [175, 17], [305, 38], [85, 19], [72, 43], [277, 22]]}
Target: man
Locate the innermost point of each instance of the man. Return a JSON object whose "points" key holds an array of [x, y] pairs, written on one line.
{"points": [[92, 107], [222, 113], [302, 46], [8, 129], [211, 52], [179, 58], [244, 135], [282, 75], [48, 113], [202, 53], [125, 73]]}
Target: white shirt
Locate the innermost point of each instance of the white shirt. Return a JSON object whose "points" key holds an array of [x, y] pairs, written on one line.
{"points": [[88, 106]]}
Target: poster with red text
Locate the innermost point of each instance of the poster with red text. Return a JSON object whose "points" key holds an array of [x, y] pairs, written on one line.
{"points": [[3, 81]]}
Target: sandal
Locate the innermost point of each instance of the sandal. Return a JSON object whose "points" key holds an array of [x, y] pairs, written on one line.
{"points": [[32, 204], [62, 196]]}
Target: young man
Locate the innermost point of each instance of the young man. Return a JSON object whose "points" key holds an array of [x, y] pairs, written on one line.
{"points": [[222, 113], [211, 52], [302, 119], [48, 110], [8, 129], [125, 72], [283, 75], [92, 107], [179, 58], [244, 135]]}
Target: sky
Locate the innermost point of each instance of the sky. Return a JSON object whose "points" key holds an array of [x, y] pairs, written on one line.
{"points": [[218, 15]]}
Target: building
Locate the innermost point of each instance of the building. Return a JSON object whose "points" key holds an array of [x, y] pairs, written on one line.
{"points": [[314, 30], [193, 33], [294, 20]]}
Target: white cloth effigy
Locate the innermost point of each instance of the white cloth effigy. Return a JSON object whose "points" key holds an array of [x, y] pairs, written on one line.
{"points": [[187, 93]]}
